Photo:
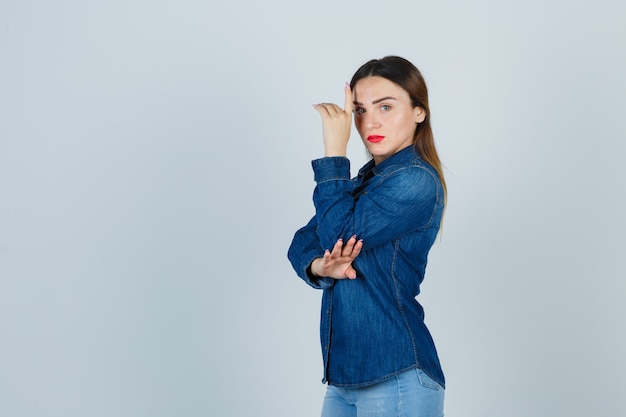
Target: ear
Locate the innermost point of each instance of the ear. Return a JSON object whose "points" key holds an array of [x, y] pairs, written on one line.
{"points": [[420, 114]]}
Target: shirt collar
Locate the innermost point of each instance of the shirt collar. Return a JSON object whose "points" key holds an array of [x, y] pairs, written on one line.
{"points": [[399, 157]]}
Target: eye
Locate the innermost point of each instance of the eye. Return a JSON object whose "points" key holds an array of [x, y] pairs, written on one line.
{"points": [[359, 110], [385, 107]]}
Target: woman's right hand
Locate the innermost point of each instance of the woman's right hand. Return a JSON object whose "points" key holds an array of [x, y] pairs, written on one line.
{"points": [[338, 262], [336, 125]]}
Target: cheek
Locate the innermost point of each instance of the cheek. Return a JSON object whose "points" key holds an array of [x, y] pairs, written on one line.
{"points": [[407, 124]]}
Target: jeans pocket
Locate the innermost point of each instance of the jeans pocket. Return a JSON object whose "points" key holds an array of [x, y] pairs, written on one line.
{"points": [[426, 381]]}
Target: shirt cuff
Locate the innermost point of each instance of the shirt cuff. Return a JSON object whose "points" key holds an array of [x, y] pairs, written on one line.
{"points": [[331, 168]]}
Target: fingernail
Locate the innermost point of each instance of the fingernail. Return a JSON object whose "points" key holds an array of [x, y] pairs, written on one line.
{"points": [[347, 84]]}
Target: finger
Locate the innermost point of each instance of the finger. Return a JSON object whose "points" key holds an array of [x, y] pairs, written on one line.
{"points": [[337, 249], [357, 248], [329, 109], [332, 109], [350, 272], [348, 105], [349, 246], [322, 109]]}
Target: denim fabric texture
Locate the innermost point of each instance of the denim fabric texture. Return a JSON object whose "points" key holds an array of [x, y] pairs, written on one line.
{"points": [[372, 328], [409, 394]]}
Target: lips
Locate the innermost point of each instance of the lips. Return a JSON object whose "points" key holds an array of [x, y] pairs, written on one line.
{"points": [[375, 138]]}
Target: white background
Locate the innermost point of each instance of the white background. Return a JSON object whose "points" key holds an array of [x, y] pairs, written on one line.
{"points": [[155, 163]]}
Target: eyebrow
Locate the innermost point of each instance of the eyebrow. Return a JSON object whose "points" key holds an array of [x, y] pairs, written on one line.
{"points": [[376, 101]]}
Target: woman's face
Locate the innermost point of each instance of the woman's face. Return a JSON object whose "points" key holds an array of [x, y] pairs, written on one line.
{"points": [[384, 116]]}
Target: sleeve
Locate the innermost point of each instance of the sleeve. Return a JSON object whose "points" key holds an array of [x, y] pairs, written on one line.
{"points": [[304, 248], [401, 202]]}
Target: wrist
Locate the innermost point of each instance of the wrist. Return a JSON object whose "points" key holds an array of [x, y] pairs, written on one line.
{"points": [[335, 151], [313, 268]]}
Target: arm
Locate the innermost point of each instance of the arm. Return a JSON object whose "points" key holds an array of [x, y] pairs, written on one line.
{"points": [[315, 263], [320, 268], [402, 202]]}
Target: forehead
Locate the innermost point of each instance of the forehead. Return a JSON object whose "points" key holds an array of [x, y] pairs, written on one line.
{"points": [[372, 88]]}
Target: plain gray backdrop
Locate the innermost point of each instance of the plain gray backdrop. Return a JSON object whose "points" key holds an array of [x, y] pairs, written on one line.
{"points": [[155, 163]]}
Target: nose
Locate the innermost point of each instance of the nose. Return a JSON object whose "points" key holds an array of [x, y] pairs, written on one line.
{"points": [[372, 121]]}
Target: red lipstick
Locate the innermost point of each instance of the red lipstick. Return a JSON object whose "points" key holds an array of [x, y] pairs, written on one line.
{"points": [[375, 138]]}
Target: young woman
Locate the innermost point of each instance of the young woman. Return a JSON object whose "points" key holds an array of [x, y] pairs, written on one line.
{"points": [[367, 246]]}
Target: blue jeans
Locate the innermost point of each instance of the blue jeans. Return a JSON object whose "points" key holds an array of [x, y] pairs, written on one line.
{"points": [[409, 394]]}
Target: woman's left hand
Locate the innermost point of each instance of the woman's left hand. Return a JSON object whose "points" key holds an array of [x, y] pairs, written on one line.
{"points": [[336, 125], [338, 263]]}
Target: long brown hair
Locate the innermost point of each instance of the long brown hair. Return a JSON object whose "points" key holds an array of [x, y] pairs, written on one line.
{"points": [[403, 73]]}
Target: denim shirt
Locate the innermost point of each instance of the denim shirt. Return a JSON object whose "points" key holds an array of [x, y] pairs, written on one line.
{"points": [[372, 327]]}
